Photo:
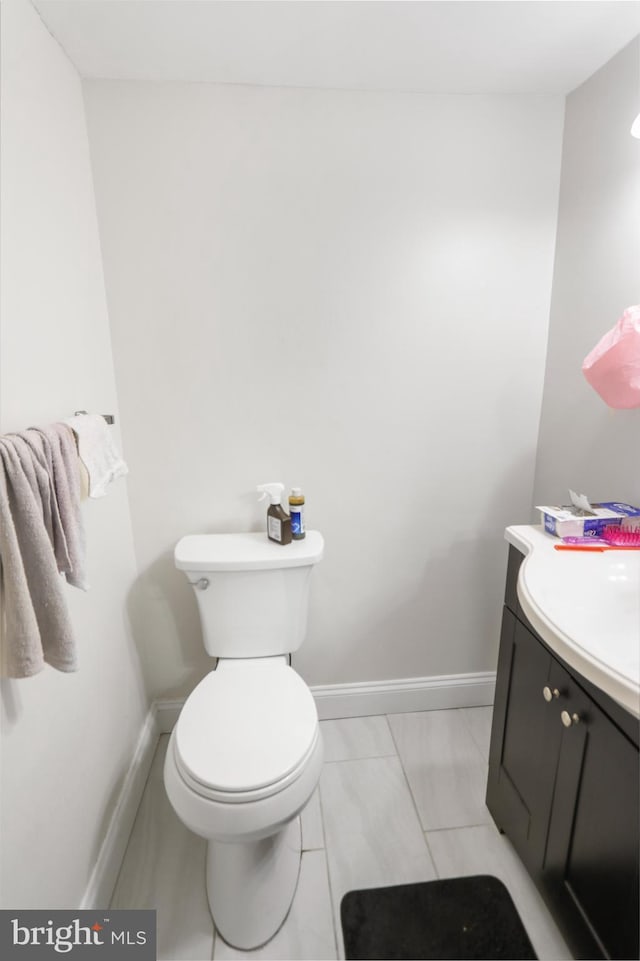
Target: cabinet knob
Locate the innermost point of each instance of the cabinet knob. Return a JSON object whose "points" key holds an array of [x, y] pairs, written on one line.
{"points": [[549, 694], [569, 719]]}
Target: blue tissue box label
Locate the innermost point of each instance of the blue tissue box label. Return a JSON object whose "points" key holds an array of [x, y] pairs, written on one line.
{"points": [[625, 509], [598, 525]]}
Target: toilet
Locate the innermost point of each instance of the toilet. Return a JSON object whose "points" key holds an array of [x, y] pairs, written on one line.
{"points": [[246, 753]]}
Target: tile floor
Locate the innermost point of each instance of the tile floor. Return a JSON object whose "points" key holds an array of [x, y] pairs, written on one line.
{"points": [[401, 799]]}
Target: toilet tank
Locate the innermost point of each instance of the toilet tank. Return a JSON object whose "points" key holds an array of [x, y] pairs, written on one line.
{"points": [[253, 594]]}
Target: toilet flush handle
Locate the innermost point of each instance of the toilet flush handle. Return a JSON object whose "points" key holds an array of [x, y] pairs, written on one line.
{"points": [[202, 584]]}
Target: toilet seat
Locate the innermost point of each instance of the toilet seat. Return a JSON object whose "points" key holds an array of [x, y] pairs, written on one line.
{"points": [[247, 730]]}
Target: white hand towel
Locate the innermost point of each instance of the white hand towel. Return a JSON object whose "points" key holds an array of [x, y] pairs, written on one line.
{"points": [[34, 623], [97, 452]]}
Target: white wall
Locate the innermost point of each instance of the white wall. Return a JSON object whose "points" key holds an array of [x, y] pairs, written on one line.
{"points": [[584, 444], [67, 739], [344, 291]]}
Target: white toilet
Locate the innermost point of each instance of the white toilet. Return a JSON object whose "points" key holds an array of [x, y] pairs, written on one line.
{"points": [[246, 753]]}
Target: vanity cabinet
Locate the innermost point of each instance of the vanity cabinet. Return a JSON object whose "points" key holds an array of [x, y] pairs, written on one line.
{"points": [[563, 786]]}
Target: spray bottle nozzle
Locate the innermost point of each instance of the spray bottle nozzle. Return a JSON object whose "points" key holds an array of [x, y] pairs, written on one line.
{"points": [[275, 491]]}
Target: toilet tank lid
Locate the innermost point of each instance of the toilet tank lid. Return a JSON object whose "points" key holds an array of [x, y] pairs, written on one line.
{"points": [[248, 551]]}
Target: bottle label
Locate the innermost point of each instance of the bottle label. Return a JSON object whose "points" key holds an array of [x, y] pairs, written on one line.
{"points": [[297, 519], [274, 528]]}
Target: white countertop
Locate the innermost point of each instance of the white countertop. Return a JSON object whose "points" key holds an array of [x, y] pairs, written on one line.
{"points": [[586, 606]]}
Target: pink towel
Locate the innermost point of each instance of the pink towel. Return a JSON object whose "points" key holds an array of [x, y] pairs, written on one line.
{"points": [[65, 476], [35, 626], [34, 453], [50, 453]]}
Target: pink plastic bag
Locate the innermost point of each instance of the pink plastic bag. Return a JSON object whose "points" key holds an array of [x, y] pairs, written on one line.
{"points": [[613, 366]]}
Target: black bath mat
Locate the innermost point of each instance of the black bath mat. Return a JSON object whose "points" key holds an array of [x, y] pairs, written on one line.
{"points": [[455, 918]]}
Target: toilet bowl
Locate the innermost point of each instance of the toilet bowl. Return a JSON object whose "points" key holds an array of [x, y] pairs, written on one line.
{"points": [[246, 753], [243, 760]]}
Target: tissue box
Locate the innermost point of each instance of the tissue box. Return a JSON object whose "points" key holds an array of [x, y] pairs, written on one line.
{"points": [[570, 521]]}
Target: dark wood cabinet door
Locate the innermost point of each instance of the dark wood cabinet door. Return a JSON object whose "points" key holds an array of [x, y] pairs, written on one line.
{"points": [[591, 863], [524, 743], [566, 794]]}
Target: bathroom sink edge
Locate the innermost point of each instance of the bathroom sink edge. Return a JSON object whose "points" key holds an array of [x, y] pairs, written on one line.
{"points": [[558, 627]]}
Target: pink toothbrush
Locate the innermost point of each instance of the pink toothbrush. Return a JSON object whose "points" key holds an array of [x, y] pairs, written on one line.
{"points": [[613, 539]]}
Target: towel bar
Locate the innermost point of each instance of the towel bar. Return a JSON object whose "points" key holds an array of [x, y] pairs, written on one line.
{"points": [[110, 419]]}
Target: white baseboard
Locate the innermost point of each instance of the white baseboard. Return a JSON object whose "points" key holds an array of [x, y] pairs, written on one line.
{"points": [[167, 714], [379, 697], [107, 867], [404, 695]]}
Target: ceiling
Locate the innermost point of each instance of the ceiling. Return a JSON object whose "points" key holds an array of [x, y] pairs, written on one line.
{"points": [[514, 46]]}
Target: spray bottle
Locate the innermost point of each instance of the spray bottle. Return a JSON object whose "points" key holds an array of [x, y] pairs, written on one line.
{"points": [[278, 521]]}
